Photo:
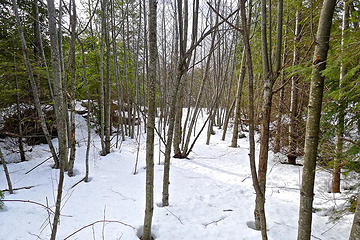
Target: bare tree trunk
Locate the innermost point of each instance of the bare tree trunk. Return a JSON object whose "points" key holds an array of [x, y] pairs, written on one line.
{"points": [[60, 110], [34, 87], [37, 19], [313, 119], [7, 175], [21, 145], [293, 130], [108, 102], [279, 125], [101, 92], [86, 178], [227, 118], [238, 101], [335, 184], [153, 55], [36, 46], [269, 78], [73, 18], [63, 76], [183, 32], [355, 229], [259, 193]]}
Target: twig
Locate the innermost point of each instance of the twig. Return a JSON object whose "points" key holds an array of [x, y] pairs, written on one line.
{"points": [[350, 141], [329, 228], [99, 221], [315, 237], [216, 221], [224, 19], [38, 165], [174, 215], [78, 182], [47, 204], [29, 201], [28, 187]]}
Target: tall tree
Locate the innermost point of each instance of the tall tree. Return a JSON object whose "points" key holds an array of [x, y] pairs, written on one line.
{"points": [[335, 184], [313, 119], [34, 85], [260, 197], [72, 139], [293, 131], [153, 55], [60, 110], [269, 76], [107, 103]]}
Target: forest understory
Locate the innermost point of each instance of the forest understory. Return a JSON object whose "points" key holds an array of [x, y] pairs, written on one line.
{"points": [[212, 196]]}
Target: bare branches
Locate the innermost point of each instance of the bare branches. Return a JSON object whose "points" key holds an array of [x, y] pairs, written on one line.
{"points": [[224, 19], [99, 221]]}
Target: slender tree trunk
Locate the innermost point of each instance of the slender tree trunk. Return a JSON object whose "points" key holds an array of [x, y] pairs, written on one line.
{"points": [[60, 110], [73, 19], [153, 55], [7, 175], [108, 102], [227, 118], [178, 122], [37, 19], [293, 130], [238, 101], [259, 193], [63, 77], [37, 40], [269, 78], [101, 92], [335, 185], [313, 119], [21, 145], [34, 87], [279, 125], [86, 178]]}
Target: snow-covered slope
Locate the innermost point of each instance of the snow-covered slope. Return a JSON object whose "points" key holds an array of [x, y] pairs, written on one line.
{"points": [[211, 196]]}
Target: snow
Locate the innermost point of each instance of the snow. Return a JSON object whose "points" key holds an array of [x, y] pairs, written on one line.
{"points": [[211, 195]]}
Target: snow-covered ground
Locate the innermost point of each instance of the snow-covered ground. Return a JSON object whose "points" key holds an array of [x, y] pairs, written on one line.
{"points": [[211, 195]]}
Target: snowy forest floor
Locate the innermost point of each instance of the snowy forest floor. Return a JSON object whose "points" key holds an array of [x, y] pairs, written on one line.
{"points": [[211, 195]]}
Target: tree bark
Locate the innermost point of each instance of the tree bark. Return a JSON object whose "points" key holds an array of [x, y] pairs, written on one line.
{"points": [[153, 55], [7, 175], [60, 111], [269, 78], [73, 18], [313, 119], [259, 193]]}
